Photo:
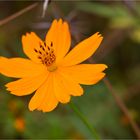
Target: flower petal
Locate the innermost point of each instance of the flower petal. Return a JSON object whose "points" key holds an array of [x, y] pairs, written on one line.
{"points": [[44, 94], [59, 36], [72, 86], [26, 86], [31, 44], [49, 102], [20, 67], [61, 93], [87, 74], [82, 51]]}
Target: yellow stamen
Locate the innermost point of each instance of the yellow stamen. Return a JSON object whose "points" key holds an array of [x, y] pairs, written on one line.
{"points": [[52, 68], [46, 54]]}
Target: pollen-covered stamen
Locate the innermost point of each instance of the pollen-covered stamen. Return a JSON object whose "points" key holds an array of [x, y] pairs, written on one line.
{"points": [[46, 54], [35, 50], [42, 47], [51, 44]]}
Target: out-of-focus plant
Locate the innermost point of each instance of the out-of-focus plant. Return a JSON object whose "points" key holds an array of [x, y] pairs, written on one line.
{"points": [[118, 14]]}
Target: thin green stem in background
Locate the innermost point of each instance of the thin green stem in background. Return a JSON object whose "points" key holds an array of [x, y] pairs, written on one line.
{"points": [[84, 120]]}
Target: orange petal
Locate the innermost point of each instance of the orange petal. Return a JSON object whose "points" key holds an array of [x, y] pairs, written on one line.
{"points": [[82, 51], [26, 86], [87, 74], [59, 35], [49, 102], [19, 67], [61, 93], [31, 42], [71, 86], [44, 94]]}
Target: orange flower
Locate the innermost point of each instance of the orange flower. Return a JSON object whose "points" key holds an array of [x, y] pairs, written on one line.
{"points": [[19, 124], [52, 72]]}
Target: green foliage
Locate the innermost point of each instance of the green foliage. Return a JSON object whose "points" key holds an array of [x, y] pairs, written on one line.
{"points": [[105, 10]]}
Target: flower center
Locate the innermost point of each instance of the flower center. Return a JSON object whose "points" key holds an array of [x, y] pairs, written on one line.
{"points": [[46, 55], [52, 68]]}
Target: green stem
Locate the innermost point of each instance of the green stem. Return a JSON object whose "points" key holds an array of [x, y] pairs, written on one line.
{"points": [[83, 119]]}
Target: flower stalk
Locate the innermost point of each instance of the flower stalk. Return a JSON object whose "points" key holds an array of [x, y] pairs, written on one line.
{"points": [[84, 120]]}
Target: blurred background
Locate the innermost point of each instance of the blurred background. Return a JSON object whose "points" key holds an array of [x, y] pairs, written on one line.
{"points": [[119, 23]]}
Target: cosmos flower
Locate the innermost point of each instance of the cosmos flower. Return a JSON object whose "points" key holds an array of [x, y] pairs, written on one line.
{"points": [[54, 74]]}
